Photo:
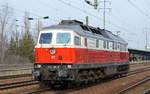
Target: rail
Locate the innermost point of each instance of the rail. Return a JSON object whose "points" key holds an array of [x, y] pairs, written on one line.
{"points": [[38, 91], [134, 85], [147, 91], [139, 62], [15, 72], [17, 84], [138, 71]]}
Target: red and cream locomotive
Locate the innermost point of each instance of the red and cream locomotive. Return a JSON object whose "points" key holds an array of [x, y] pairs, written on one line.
{"points": [[74, 52]]}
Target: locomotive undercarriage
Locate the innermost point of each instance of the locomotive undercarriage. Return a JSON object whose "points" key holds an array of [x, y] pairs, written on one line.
{"points": [[62, 74]]}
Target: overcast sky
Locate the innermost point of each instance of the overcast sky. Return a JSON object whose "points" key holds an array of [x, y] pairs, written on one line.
{"points": [[130, 17]]}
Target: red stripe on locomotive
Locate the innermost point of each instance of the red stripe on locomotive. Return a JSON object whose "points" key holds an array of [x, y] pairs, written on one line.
{"points": [[78, 55]]}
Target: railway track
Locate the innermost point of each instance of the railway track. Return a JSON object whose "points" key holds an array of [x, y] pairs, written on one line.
{"points": [[32, 82], [147, 91], [38, 91], [14, 76], [67, 91], [22, 75], [137, 71], [14, 73], [135, 85], [17, 84], [25, 75]]}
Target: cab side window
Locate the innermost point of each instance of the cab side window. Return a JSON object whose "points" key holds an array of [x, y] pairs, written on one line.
{"points": [[97, 43], [85, 42], [104, 44], [107, 44], [77, 40]]}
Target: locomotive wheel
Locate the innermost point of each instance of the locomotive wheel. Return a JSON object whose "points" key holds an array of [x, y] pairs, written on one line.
{"points": [[96, 76], [92, 76], [79, 80], [86, 82], [68, 84], [118, 75]]}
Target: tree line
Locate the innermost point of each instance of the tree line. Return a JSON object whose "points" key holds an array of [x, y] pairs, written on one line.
{"points": [[16, 42]]}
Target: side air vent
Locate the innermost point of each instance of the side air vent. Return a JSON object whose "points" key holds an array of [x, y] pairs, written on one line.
{"points": [[97, 31], [91, 29], [71, 22], [84, 27]]}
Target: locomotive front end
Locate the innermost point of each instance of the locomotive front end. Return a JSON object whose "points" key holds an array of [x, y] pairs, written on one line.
{"points": [[54, 46], [54, 55]]}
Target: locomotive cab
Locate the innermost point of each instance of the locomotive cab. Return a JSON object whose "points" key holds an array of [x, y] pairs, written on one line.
{"points": [[53, 47]]}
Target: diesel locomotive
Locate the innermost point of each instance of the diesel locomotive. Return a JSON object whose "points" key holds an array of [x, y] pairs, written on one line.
{"points": [[72, 52]]}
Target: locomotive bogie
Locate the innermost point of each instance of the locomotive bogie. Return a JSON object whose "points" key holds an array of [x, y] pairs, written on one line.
{"points": [[76, 74]]}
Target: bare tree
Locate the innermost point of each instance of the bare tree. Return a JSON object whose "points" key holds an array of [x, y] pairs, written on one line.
{"points": [[26, 23], [15, 33], [38, 26], [5, 18]]}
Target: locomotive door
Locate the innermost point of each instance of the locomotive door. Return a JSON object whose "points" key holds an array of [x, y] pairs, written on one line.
{"points": [[86, 51]]}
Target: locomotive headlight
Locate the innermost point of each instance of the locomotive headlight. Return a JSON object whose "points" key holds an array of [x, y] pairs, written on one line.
{"points": [[69, 66], [52, 51], [38, 66]]}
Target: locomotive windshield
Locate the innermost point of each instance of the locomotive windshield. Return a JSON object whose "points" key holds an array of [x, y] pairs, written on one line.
{"points": [[45, 38], [63, 38]]}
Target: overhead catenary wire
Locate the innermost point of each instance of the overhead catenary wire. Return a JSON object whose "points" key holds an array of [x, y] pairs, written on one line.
{"points": [[23, 11], [52, 8], [77, 8], [139, 9], [147, 2], [14, 23], [73, 6], [121, 21], [38, 16], [107, 22]]}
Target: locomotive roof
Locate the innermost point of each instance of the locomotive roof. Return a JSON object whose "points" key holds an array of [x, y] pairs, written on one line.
{"points": [[87, 31]]}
